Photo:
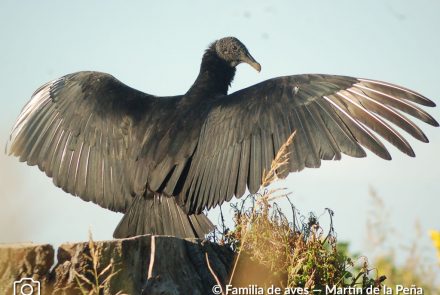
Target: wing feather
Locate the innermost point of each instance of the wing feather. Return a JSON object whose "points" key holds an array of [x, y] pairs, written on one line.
{"points": [[233, 173], [298, 149], [399, 104], [255, 171], [390, 114], [372, 121], [360, 132], [244, 167]]}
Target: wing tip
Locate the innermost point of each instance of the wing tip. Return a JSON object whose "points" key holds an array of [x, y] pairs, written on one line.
{"points": [[424, 101], [430, 103], [9, 147], [384, 154]]}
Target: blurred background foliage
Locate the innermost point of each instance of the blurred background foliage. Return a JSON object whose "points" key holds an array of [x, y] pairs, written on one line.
{"points": [[418, 267]]}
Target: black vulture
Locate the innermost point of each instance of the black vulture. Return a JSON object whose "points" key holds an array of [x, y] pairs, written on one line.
{"points": [[163, 160]]}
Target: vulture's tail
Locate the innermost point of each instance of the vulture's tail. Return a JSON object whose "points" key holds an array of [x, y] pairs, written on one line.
{"points": [[161, 215]]}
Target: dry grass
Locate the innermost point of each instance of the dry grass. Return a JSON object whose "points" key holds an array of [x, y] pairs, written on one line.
{"points": [[278, 165], [93, 281]]}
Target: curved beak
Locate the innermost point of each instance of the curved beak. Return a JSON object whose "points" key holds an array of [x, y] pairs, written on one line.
{"points": [[247, 58]]}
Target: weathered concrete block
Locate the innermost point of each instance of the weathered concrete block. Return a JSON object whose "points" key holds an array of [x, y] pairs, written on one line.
{"points": [[140, 265]]}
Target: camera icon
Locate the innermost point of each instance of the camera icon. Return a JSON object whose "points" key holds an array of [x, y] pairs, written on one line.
{"points": [[26, 286]]}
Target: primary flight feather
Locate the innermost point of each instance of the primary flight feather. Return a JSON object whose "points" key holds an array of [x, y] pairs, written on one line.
{"points": [[162, 160]]}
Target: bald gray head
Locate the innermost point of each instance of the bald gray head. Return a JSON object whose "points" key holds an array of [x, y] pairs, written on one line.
{"points": [[234, 52]]}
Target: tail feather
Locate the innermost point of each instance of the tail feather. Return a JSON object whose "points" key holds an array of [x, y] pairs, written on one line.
{"points": [[161, 215]]}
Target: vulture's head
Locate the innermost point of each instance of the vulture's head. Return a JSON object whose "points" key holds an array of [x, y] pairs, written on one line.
{"points": [[234, 52]]}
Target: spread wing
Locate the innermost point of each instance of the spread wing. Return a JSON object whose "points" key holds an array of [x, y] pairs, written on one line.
{"points": [[331, 115], [96, 137]]}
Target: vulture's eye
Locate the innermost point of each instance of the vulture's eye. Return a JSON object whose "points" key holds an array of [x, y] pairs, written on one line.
{"points": [[234, 47]]}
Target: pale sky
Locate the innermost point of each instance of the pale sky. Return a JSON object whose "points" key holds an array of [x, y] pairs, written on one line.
{"points": [[157, 48]]}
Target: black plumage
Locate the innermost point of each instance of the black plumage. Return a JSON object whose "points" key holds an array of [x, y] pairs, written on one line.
{"points": [[162, 160]]}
